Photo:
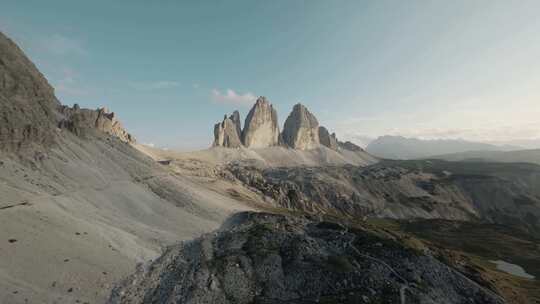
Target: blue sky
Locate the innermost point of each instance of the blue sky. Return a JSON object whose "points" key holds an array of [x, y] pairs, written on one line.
{"points": [[431, 69]]}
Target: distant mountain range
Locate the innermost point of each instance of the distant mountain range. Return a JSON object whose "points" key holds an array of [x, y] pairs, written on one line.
{"points": [[398, 147], [520, 156]]}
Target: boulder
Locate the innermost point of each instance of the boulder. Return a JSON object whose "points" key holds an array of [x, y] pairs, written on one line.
{"points": [[261, 127], [301, 129]]}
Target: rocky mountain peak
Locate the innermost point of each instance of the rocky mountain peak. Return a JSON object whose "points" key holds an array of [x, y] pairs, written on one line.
{"points": [[327, 139], [235, 117], [227, 133], [301, 129], [261, 127]]}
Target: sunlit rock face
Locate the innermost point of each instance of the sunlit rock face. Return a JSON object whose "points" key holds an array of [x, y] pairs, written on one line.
{"points": [[261, 128], [301, 130]]}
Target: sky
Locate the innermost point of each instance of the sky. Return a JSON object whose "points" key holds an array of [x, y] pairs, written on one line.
{"points": [[171, 69]]}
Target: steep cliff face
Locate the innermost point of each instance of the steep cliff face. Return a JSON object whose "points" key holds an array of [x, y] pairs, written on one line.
{"points": [[226, 133], [261, 128], [27, 101], [235, 117], [327, 139], [301, 129]]}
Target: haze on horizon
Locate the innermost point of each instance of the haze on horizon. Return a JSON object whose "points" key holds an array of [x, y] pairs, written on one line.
{"points": [[457, 69]]}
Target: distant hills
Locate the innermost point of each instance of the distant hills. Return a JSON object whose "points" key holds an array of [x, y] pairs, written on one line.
{"points": [[521, 156], [398, 147]]}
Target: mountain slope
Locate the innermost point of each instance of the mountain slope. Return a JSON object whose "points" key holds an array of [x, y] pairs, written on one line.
{"points": [[397, 147], [79, 206], [27, 101]]}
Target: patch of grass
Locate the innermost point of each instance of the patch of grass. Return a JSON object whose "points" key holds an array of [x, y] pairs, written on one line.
{"points": [[339, 263], [481, 243]]}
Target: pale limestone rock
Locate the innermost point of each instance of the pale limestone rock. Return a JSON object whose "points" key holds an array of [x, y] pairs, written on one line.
{"points": [[261, 128], [301, 130]]}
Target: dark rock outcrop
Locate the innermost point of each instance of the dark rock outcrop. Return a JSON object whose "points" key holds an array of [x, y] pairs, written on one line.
{"points": [[327, 139], [275, 259], [261, 128], [301, 129], [235, 117], [350, 146], [84, 122]]}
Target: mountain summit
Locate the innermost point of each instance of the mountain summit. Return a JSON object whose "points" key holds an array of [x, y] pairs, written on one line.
{"points": [[261, 128], [301, 130]]}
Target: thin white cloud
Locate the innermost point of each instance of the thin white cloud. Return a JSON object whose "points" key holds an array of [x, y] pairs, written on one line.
{"points": [[154, 85], [233, 98], [61, 45], [67, 85]]}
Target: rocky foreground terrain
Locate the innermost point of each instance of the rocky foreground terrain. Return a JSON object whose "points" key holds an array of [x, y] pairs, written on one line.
{"points": [[274, 259]]}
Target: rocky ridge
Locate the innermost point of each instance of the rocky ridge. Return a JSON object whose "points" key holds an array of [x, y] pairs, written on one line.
{"points": [[275, 259], [30, 113], [83, 121]]}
